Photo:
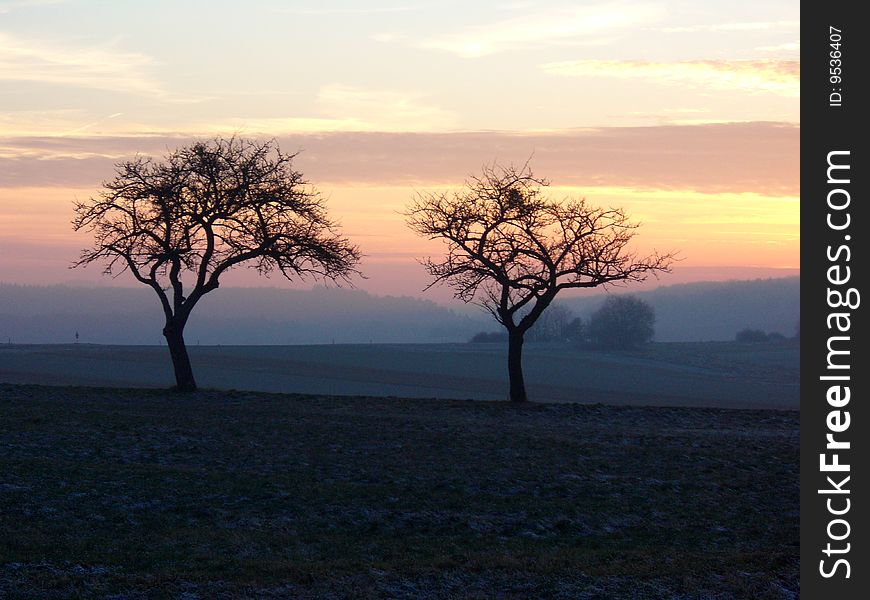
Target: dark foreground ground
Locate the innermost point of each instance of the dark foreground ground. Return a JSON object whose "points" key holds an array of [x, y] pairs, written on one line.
{"points": [[128, 494]]}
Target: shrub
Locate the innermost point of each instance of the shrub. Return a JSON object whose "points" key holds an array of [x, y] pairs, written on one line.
{"points": [[488, 337], [751, 336], [575, 330], [622, 322]]}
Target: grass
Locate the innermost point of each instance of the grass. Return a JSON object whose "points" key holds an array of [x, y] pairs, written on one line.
{"points": [[118, 493]]}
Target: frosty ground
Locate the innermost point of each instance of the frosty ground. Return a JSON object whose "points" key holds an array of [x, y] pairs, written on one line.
{"points": [[712, 374], [136, 493]]}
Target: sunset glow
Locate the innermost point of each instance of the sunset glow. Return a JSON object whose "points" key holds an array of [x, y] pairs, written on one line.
{"points": [[686, 114]]}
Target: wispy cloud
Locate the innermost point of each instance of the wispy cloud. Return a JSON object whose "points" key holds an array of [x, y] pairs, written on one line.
{"points": [[787, 48], [348, 108], [678, 116], [780, 77], [740, 26], [339, 108], [386, 110], [22, 60], [278, 125], [578, 25], [101, 68], [761, 158], [53, 123], [343, 108]]}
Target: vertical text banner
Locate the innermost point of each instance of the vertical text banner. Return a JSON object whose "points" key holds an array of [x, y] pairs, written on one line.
{"points": [[835, 437]]}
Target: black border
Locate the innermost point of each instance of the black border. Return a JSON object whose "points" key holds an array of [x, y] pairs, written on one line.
{"points": [[826, 128]]}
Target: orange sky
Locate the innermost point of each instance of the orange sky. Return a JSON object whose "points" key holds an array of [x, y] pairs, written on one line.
{"points": [[686, 115]]}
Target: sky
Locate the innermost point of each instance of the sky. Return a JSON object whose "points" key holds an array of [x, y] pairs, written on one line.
{"points": [[684, 113]]}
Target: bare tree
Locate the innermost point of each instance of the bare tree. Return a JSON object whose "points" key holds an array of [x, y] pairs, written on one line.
{"points": [[512, 251], [179, 224]]}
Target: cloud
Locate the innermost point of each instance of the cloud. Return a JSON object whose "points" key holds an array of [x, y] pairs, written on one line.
{"points": [[338, 108], [51, 122], [579, 25], [349, 108], [762, 158], [383, 110], [70, 122], [99, 68], [788, 47], [38, 122], [781, 77], [345, 108]]}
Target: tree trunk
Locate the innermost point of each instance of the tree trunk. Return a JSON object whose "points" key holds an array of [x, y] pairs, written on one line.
{"points": [[174, 334], [515, 366]]}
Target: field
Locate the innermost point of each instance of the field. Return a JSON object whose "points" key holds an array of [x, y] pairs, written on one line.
{"points": [[129, 494], [712, 374], [635, 478]]}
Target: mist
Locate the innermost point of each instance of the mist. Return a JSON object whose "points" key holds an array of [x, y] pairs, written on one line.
{"points": [[707, 311], [715, 310]]}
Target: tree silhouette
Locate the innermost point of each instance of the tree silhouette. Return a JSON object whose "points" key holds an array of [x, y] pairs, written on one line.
{"points": [[622, 322], [201, 211], [512, 251]]}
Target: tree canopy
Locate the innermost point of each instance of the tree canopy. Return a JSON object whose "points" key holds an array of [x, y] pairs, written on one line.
{"points": [[512, 250], [622, 322], [177, 225]]}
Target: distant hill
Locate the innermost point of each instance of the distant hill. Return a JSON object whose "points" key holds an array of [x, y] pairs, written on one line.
{"points": [[115, 315], [49, 314], [710, 311]]}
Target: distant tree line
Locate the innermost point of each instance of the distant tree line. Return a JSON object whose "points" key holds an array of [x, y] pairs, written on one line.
{"points": [[622, 322], [757, 336]]}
